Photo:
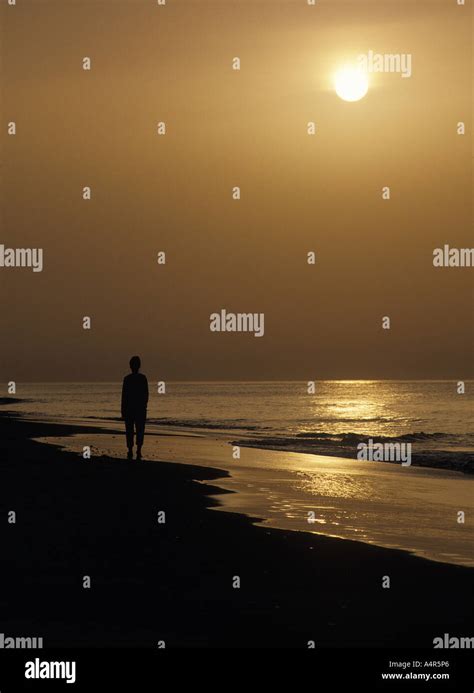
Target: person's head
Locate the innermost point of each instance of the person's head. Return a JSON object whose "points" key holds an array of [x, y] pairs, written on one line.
{"points": [[135, 364]]}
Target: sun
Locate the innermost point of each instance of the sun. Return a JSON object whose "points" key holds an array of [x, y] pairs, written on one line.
{"points": [[351, 83]]}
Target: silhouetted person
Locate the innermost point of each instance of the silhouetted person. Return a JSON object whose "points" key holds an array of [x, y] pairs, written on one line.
{"points": [[134, 403]]}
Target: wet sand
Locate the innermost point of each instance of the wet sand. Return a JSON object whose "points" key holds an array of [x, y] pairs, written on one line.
{"points": [[410, 508]]}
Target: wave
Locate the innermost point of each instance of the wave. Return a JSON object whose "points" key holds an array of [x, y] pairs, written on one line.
{"points": [[427, 448], [13, 400], [223, 425], [407, 437], [350, 419]]}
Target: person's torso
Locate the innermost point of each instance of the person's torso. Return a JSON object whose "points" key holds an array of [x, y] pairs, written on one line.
{"points": [[136, 388]]}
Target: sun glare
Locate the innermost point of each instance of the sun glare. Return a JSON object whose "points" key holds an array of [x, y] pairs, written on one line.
{"points": [[351, 83]]}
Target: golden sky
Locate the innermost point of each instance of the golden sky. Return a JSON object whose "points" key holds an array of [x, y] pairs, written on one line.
{"points": [[229, 128]]}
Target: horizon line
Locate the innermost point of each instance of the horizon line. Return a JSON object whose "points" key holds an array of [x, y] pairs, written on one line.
{"points": [[295, 380]]}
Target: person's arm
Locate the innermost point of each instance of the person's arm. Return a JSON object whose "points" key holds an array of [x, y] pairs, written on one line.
{"points": [[146, 392], [124, 397]]}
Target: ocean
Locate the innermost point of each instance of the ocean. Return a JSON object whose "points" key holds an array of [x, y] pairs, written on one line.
{"points": [[438, 422]]}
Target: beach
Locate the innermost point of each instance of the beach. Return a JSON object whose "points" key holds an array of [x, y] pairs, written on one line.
{"points": [[410, 508], [175, 582]]}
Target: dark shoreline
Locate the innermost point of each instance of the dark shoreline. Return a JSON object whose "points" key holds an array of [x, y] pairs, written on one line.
{"points": [[173, 581]]}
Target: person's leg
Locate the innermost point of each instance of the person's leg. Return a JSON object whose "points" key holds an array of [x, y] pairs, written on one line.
{"points": [[140, 427], [129, 436]]}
